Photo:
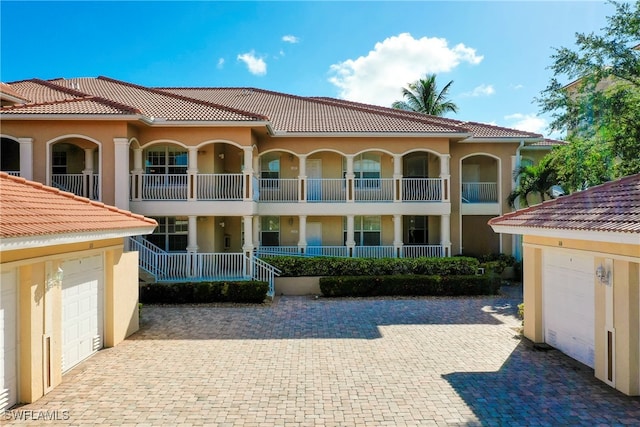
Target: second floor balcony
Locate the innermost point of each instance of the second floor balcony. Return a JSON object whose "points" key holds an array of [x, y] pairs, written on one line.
{"points": [[229, 187]]}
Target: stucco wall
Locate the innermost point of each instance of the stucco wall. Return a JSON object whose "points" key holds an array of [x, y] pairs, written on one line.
{"points": [[619, 316]]}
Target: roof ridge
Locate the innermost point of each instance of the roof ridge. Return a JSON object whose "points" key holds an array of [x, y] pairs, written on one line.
{"points": [[532, 134], [185, 98], [41, 186]]}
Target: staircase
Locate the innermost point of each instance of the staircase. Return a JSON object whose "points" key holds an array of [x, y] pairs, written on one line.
{"points": [[157, 265]]}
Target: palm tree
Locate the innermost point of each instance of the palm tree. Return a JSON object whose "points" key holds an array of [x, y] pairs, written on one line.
{"points": [[422, 96], [537, 179]]}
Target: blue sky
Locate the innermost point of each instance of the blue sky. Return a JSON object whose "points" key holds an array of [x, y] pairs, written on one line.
{"points": [[497, 53]]}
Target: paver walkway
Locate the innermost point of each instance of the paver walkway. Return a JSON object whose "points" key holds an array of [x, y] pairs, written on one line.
{"points": [[345, 362]]}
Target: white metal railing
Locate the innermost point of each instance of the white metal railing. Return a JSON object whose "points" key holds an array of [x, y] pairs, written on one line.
{"points": [[373, 189], [419, 251], [220, 186], [77, 184], [72, 183], [328, 251], [326, 190], [263, 271], [164, 187], [265, 251], [480, 192], [278, 190], [421, 189], [374, 252], [184, 266]]}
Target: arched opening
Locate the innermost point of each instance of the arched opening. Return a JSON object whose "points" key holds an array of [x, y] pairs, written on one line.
{"points": [[10, 156], [75, 166]]}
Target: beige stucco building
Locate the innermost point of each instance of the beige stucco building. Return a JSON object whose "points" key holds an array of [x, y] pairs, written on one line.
{"points": [[68, 288], [230, 173], [582, 277]]}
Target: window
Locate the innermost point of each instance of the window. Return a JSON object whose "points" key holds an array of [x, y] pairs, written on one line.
{"points": [[269, 170], [416, 229], [366, 168], [166, 160], [171, 235], [270, 231], [59, 162], [366, 230]]}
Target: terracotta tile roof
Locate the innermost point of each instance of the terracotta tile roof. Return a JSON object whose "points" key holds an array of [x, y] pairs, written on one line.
{"points": [[31, 209], [5, 89], [158, 104], [290, 113], [285, 113], [610, 207], [479, 130], [547, 142]]}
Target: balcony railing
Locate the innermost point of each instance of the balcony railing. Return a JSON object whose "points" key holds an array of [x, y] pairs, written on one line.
{"points": [[407, 251], [286, 190], [78, 184], [278, 190], [220, 186], [479, 192], [13, 173]]}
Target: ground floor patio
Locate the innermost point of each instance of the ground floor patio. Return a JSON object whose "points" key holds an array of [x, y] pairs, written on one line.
{"points": [[302, 361]]}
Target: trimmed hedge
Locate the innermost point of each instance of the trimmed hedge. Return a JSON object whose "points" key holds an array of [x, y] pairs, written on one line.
{"points": [[292, 266], [250, 291], [409, 285]]}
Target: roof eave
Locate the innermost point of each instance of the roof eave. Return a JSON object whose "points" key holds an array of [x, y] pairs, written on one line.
{"points": [[39, 241], [204, 123], [83, 117], [564, 233], [508, 139], [282, 134]]}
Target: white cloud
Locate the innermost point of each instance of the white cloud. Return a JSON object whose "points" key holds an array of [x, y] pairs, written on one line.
{"points": [[482, 90], [378, 77], [527, 122], [516, 86], [290, 39], [255, 64], [220, 62]]}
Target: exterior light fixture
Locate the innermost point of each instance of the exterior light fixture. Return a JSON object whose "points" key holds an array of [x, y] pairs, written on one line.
{"points": [[603, 274]]}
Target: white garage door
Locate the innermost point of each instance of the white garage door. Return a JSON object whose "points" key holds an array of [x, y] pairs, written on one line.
{"points": [[569, 305], [82, 309], [8, 347]]}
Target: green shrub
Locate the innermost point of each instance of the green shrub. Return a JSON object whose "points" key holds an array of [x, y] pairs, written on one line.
{"points": [[496, 262], [409, 285], [250, 291], [327, 266]]}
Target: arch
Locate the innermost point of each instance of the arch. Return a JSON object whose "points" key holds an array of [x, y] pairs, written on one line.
{"points": [[164, 141], [221, 141], [276, 150], [423, 150], [326, 150], [134, 143], [369, 150], [5, 136], [49, 144], [499, 190]]}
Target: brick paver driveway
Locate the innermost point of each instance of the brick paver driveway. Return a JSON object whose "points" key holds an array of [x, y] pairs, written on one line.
{"points": [[367, 362]]}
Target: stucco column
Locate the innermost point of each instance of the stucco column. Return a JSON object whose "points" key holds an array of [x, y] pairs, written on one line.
{"points": [[302, 179], [136, 174], [247, 173], [247, 245], [350, 176], [445, 234], [397, 178], [26, 157], [88, 173], [192, 236], [350, 242], [445, 176], [397, 234], [302, 233], [192, 174], [121, 173]]}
